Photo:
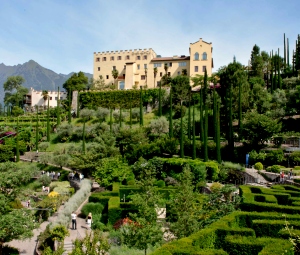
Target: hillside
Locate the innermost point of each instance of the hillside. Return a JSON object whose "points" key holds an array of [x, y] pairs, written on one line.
{"points": [[35, 75]]}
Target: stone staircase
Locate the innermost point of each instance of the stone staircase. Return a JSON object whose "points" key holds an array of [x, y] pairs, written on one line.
{"points": [[257, 178], [68, 247]]}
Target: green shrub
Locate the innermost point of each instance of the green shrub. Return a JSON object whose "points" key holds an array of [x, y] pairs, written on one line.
{"points": [[6, 249], [16, 204], [131, 182], [94, 208], [297, 167], [274, 169], [258, 166], [160, 184], [114, 210]]}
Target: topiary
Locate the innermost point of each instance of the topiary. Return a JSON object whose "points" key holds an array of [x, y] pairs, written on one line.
{"points": [[160, 184], [275, 169], [258, 166]]}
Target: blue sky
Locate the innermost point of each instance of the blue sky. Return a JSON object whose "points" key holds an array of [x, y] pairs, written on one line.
{"points": [[63, 34]]}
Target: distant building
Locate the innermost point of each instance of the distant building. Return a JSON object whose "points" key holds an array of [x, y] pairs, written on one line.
{"points": [[136, 67], [35, 98]]}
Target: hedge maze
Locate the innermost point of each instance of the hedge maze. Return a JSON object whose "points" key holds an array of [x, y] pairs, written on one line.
{"points": [[260, 228]]}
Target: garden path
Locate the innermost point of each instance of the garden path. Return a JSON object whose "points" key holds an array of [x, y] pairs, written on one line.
{"points": [[28, 246]]}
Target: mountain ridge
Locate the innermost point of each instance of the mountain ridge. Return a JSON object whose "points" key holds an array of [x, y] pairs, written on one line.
{"points": [[35, 75]]}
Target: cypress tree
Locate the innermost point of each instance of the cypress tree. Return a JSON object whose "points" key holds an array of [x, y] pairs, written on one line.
{"points": [[171, 115], [181, 132], [194, 135], [141, 107], [37, 129], [201, 116], [218, 145], [70, 107], [189, 115], [159, 101], [48, 122], [17, 142], [206, 117], [288, 53], [271, 71], [57, 108], [275, 68], [206, 133], [83, 137], [293, 62], [130, 111], [279, 76], [284, 48], [240, 110], [215, 113]]}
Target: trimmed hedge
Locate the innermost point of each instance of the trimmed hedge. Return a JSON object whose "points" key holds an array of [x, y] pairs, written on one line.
{"points": [[238, 224], [241, 245], [117, 98], [249, 203]]}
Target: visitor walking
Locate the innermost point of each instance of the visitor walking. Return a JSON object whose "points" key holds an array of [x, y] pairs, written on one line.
{"points": [[291, 174], [74, 216], [89, 220]]}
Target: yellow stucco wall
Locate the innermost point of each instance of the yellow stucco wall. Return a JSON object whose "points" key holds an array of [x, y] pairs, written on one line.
{"points": [[132, 63]]}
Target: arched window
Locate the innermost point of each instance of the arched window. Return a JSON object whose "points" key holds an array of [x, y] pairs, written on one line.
{"points": [[196, 56], [204, 56]]}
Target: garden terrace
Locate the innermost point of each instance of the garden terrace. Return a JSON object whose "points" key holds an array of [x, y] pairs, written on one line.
{"points": [[258, 229]]}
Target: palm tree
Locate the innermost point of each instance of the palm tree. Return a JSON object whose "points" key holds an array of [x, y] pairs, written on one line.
{"points": [[45, 96], [155, 73], [115, 74]]}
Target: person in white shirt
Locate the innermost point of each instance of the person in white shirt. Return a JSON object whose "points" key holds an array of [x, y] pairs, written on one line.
{"points": [[73, 216]]}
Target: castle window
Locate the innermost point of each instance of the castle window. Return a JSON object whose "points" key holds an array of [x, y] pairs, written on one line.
{"points": [[204, 56], [157, 64], [170, 64], [104, 59], [203, 68], [119, 57], [55, 98], [178, 73], [145, 57], [160, 74], [143, 77], [107, 77], [114, 68], [127, 57], [112, 58], [169, 74], [138, 57], [196, 56], [98, 68], [145, 66], [196, 69], [50, 98], [138, 67], [182, 64], [97, 59]]}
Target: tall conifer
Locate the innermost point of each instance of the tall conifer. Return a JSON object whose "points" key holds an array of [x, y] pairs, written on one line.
{"points": [[17, 143], [83, 137], [218, 144], [141, 107], [171, 114], [48, 122], [189, 115], [181, 132], [37, 129], [194, 133], [70, 107], [279, 76], [58, 108]]}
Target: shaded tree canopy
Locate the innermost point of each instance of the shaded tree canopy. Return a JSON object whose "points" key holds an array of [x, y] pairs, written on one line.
{"points": [[78, 81], [14, 91]]}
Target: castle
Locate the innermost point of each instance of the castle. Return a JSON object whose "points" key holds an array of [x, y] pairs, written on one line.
{"points": [[136, 67]]}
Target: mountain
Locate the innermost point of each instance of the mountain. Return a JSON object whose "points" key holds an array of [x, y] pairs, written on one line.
{"points": [[36, 76]]}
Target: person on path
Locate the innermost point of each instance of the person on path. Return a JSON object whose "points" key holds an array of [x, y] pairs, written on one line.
{"points": [[74, 216], [291, 174], [28, 203], [89, 220]]}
